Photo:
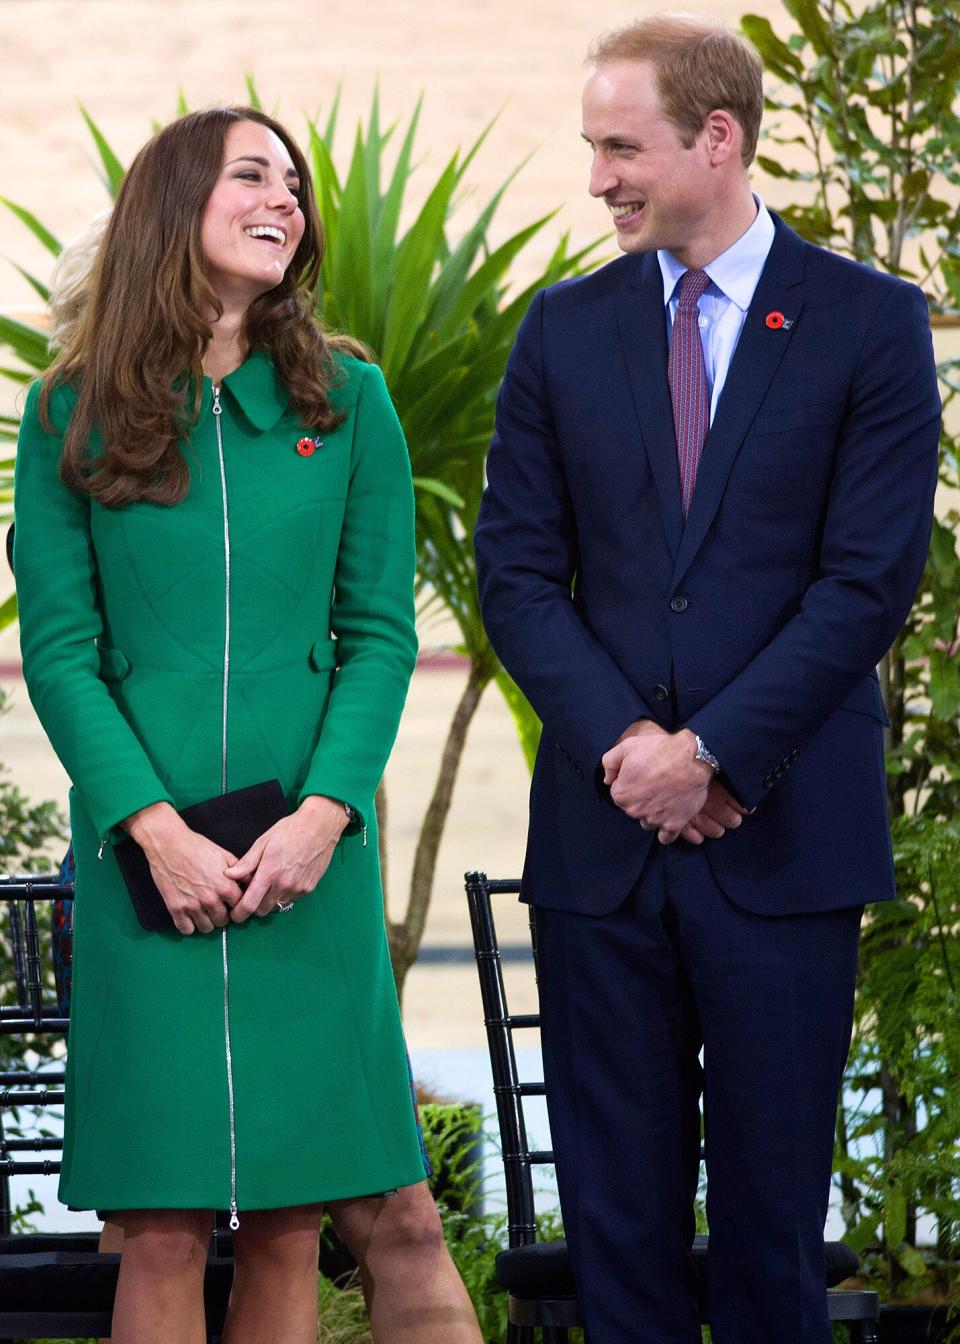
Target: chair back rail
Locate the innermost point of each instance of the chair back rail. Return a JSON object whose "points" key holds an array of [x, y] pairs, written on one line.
{"points": [[508, 1089]]}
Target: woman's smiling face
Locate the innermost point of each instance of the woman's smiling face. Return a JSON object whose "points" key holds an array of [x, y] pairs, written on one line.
{"points": [[252, 222]]}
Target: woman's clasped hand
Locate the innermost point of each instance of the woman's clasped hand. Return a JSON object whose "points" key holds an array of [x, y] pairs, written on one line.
{"points": [[289, 859], [205, 886]]}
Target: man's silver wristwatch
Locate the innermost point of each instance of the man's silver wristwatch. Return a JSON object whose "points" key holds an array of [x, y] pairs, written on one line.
{"points": [[703, 753]]}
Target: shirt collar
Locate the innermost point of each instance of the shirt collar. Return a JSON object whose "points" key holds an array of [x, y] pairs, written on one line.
{"points": [[735, 272]]}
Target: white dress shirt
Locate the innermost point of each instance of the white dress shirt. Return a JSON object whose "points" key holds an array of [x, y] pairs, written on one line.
{"points": [[723, 307]]}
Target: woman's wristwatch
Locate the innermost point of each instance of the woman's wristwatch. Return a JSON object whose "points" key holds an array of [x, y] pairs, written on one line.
{"points": [[354, 819]]}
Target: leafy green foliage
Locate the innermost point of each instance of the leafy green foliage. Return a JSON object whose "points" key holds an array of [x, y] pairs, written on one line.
{"points": [[903, 1154], [26, 829], [874, 85], [342, 1313]]}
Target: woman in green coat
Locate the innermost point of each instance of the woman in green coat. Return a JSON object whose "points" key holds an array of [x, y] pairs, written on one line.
{"points": [[215, 574]]}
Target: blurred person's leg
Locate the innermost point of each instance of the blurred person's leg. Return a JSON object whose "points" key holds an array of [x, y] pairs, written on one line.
{"points": [[413, 1292]]}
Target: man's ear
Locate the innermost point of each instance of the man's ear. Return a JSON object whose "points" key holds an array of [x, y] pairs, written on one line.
{"points": [[723, 136]]}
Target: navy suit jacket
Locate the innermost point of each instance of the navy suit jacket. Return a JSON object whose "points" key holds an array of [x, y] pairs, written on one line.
{"points": [[764, 614]]}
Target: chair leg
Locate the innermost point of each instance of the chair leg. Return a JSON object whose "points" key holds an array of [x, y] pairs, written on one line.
{"points": [[864, 1332], [555, 1334], [520, 1334]]}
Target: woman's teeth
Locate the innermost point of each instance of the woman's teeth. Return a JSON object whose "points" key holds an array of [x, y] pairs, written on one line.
{"points": [[267, 231]]}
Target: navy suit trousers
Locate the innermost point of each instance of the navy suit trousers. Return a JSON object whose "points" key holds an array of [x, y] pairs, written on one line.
{"points": [[628, 1001]]}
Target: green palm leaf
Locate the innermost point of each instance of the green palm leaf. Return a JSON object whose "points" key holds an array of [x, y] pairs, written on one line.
{"points": [[16, 375], [437, 488], [36, 285], [28, 343], [351, 276], [253, 98], [113, 169], [385, 236], [53, 245], [415, 263]]}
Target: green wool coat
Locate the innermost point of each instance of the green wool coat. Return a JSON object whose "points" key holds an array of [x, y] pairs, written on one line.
{"points": [[267, 620]]}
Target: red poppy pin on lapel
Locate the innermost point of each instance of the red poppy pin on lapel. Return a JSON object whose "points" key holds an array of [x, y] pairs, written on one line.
{"points": [[307, 447], [776, 321]]}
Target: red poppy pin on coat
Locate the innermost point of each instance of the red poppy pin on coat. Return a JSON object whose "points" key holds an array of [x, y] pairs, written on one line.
{"points": [[777, 322], [307, 447]]}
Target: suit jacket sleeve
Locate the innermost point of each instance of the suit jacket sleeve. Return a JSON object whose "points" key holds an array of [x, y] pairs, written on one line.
{"points": [[527, 561], [59, 624], [373, 607], [875, 536]]}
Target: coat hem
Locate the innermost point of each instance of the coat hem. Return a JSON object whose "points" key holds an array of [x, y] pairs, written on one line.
{"points": [[103, 1208]]}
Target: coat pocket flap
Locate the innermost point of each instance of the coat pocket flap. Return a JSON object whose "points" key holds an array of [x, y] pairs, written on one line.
{"points": [[866, 699], [323, 655], [114, 665], [771, 420]]}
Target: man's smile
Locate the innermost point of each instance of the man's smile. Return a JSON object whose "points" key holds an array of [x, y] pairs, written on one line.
{"points": [[625, 212]]}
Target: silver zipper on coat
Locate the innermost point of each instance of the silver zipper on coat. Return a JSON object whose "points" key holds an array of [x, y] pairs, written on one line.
{"points": [[217, 411]]}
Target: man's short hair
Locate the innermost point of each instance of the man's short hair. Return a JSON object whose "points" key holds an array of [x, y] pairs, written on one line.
{"points": [[699, 66]]}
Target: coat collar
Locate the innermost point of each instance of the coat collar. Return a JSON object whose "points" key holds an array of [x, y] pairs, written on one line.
{"points": [[255, 387]]}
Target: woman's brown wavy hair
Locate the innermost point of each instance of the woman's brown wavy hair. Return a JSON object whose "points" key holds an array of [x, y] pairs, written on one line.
{"points": [[136, 354]]}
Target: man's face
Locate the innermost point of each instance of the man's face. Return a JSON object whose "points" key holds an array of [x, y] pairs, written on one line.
{"points": [[658, 192]]}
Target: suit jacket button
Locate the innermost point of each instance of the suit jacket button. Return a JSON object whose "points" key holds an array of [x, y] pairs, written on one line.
{"points": [[660, 692], [678, 604]]}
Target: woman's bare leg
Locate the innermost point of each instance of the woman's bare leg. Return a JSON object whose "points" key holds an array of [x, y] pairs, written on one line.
{"points": [[413, 1292], [274, 1294], [160, 1285]]}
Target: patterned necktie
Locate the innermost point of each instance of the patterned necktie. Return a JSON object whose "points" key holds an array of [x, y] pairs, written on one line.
{"points": [[687, 375]]}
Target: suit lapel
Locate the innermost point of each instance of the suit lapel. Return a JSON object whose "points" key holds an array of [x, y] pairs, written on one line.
{"points": [[754, 364], [643, 336]]}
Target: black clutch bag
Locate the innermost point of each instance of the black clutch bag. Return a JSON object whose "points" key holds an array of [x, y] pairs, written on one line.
{"points": [[233, 820]]}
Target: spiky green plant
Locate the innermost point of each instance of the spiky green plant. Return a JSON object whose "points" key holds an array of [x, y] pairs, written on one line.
{"points": [[434, 303]]}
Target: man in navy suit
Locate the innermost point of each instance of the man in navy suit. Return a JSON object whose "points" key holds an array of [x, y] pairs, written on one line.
{"points": [[709, 502]]}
